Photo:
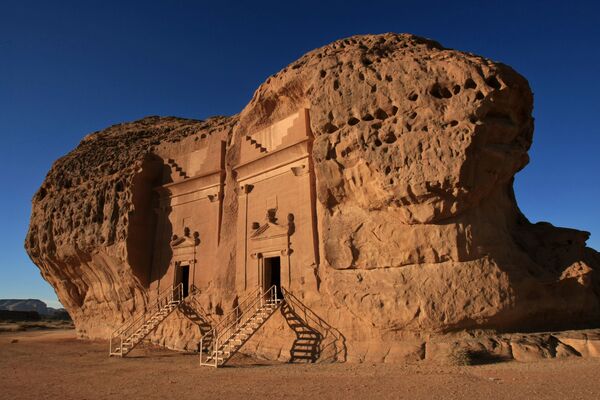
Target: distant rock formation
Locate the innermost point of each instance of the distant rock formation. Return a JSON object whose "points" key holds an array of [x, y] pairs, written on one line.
{"points": [[25, 305], [413, 152], [34, 306]]}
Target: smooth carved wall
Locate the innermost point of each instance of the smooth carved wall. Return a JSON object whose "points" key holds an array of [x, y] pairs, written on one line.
{"points": [[190, 211], [274, 174], [280, 181]]}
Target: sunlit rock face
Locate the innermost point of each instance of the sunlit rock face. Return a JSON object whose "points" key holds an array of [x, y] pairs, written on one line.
{"points": [[405, 222], [92, 220]]}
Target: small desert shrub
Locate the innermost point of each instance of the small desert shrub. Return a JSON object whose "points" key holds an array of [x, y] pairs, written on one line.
{"points": [[459, 356]]}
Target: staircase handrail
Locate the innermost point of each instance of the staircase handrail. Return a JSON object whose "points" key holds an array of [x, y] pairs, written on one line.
{"points": [[222, 336], [292, 300], [249, 296], [168, 294], [308, 313], [225, 333]]}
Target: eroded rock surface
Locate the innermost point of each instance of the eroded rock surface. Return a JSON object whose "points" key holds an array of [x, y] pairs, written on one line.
{"points": [[92, 220], [415, 150]]}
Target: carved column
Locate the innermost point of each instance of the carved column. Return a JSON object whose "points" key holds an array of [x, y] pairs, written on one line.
{"points": [[242, 238]]}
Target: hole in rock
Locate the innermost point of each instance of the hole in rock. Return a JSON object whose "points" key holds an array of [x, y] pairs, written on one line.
{"points": [[353, 121], [368, 117], [380, 114], [470, 84], [440, 92], [331, 154], [323, 73], [329, 128], [479, 95], [493, 82], [456, 89], [389, 138], [413, 96]]}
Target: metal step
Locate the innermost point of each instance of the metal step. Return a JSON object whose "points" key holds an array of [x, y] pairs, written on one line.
{"points": [[157, 313], [240, 333]]}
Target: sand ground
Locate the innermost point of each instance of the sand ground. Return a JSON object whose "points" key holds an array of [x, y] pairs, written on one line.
{"points": [[55, 365]]}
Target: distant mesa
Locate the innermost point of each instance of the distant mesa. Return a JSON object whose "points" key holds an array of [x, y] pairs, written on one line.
{"points": [[370, 182], [26, 305], [29, 309]]}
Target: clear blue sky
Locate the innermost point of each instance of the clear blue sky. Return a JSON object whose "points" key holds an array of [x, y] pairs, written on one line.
{"points": [[70, 68]]}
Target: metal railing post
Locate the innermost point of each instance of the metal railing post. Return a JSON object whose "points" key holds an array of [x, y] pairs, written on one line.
{"points": [[216, 353], [201, 347]]}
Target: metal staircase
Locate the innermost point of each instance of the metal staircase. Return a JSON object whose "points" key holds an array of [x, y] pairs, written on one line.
{"points": [[127, 337], [228, 336]]}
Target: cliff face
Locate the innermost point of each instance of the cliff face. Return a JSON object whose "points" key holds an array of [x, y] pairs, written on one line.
{"points": [[415, 155], [415, 151], [91, 230]]}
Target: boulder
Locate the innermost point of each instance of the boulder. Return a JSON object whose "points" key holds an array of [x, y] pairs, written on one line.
{"points": [[414, 152]]}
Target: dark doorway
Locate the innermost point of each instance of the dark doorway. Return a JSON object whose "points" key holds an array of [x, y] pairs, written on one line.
{"points": [[185, 279], [273, 274]]}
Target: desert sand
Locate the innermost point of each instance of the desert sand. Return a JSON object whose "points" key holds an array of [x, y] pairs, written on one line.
{"points": [[54, 364]]}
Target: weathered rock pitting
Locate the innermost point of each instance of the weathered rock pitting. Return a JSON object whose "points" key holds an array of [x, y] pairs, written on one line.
{"points": [[90, 237], [414, 149]]}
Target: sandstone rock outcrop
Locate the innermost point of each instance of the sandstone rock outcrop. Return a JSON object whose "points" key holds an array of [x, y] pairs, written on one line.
{"points": [[414, 150]]}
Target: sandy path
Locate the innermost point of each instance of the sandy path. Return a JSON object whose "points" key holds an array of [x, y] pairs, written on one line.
{"points": [[54, 365]]}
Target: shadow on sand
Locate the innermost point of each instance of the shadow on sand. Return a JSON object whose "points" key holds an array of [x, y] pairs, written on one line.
{"points": [[194, 312], [315, 340]]}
